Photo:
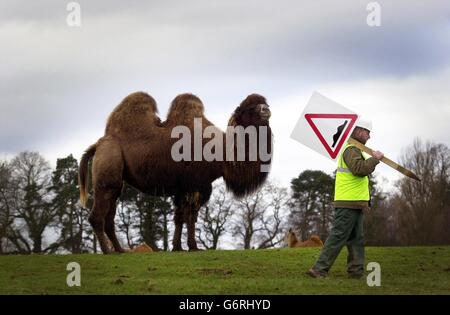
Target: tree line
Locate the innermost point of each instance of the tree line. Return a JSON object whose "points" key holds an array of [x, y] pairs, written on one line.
{"points": [[40, 210]]}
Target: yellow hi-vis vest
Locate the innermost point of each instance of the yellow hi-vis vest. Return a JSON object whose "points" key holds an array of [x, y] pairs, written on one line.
{"points": [[349, 187]]}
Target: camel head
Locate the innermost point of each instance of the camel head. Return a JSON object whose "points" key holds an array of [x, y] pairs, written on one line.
{"points": [[245, 177], [252, 111], [290, 238]]}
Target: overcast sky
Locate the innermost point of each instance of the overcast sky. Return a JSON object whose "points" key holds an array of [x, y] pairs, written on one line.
{"points": [[59, 83]]}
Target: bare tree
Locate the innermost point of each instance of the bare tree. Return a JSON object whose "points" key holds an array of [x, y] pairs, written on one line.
{"points": [[7, 205], [127, 217], [259, 220], [249, 212], [423, 207], [273, 220], [214, 217], [34, 212]]}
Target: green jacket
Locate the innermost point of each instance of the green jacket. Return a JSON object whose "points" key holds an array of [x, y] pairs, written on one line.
{"points": [[359, 167]]}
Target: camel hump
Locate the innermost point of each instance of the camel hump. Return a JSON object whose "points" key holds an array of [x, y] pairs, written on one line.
{"points": [[137, 109], [184, 108], [316, 239], [138, 102]]}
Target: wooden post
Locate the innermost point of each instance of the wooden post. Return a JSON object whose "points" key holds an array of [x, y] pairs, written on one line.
{"points": [[385, 160]]}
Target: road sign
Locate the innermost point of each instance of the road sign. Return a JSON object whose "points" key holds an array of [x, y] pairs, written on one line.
{"points": [[324, 126]]}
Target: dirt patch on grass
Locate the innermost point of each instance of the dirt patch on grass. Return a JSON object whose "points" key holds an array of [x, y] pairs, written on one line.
{"points": [[118, 282]]}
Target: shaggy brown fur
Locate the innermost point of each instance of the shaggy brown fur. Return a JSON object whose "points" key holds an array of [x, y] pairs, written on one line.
{"points": [[136, 148], [292, 241]]}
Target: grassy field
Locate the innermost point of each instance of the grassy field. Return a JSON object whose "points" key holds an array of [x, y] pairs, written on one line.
{"points": [[404, 270]]}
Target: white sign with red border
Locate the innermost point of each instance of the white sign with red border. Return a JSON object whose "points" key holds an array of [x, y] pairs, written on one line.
{"points": [[324, 126]]}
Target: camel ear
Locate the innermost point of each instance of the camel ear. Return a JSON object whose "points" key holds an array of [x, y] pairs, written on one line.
{"points": [[290, 230]]}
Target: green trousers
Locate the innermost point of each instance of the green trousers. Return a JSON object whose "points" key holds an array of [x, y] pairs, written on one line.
{"points": [[347, 230]]}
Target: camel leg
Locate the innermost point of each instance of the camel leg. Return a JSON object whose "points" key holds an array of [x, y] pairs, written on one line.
{"points": [[109, 225], [176, 243], [97, 221], [192, 219], [107, 169], [194, 207]]}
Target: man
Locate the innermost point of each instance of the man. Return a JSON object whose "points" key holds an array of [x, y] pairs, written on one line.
{"points": [[351, 198]]}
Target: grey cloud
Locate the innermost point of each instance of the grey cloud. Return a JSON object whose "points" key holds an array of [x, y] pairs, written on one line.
{"points": [[318, 41]]}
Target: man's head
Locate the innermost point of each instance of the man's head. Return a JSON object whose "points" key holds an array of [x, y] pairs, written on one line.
{"points": [[362, 130]]}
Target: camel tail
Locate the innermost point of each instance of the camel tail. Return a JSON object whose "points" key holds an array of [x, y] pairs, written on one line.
{"points": [[83, 175]]}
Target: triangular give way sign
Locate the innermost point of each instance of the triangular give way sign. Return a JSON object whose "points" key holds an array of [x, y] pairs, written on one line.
{"points": [[324, 126]]}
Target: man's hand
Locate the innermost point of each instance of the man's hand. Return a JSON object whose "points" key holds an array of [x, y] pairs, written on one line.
{"points": [[378, 155]]}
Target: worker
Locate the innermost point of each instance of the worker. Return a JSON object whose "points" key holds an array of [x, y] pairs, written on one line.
{"points": [[351, 200]]}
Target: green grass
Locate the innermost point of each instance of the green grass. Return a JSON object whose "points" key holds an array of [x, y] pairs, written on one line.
{"points": [[404, 270]]}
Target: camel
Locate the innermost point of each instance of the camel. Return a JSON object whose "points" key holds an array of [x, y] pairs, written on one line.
{"points": [[292, 241], [137, 148], [142, 248]]}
